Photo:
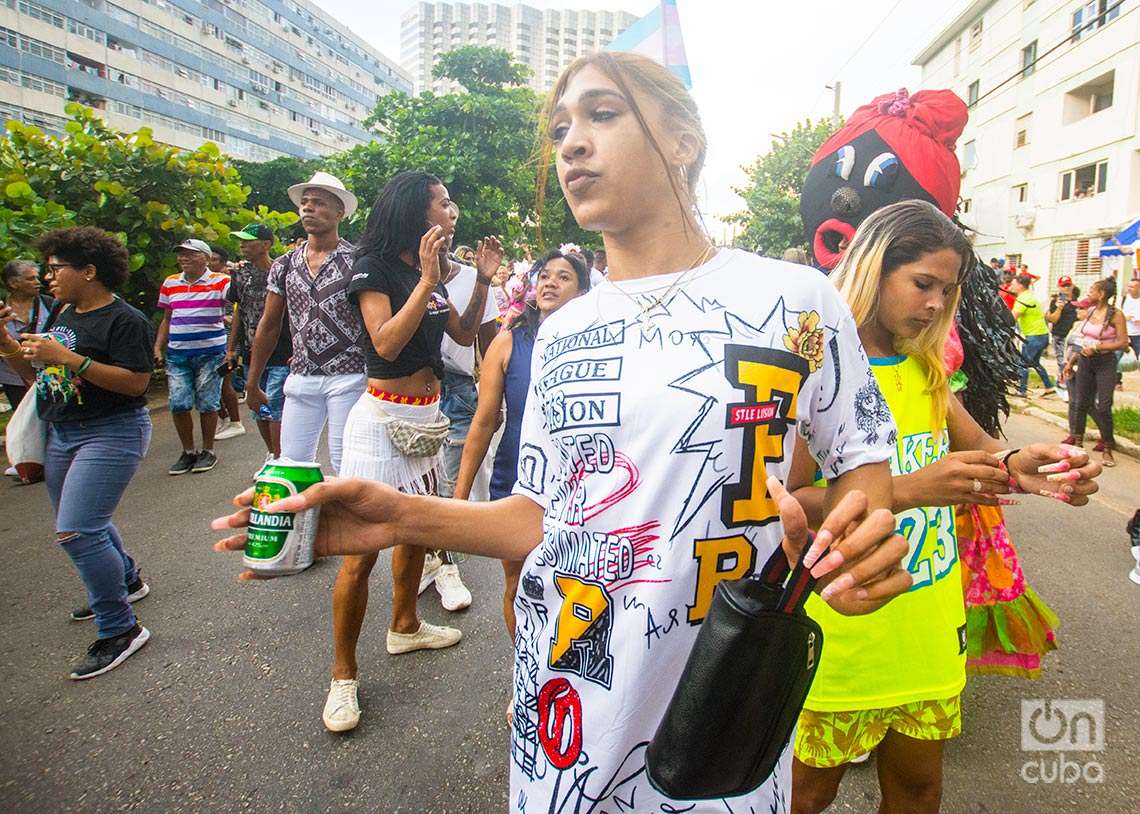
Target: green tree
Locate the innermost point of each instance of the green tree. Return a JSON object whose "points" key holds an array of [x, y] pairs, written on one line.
{"points": [[481, 144], [771, 220], [268, 182], [151, 195]]}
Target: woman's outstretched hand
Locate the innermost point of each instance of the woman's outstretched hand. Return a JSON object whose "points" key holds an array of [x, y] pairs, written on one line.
{"points": [[357, 517], [1059, 471], [856, 557], [488, 257]]}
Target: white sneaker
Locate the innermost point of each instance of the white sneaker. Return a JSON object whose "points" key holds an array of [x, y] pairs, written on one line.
{"points": [[342, 709], [269, 458], [453, 594], [428, 637], [11, 472], [1063, 395], [229, 429], [432, 564]]}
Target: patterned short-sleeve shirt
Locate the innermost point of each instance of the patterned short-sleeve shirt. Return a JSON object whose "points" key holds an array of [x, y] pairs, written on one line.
{"points": [[328, 331]]}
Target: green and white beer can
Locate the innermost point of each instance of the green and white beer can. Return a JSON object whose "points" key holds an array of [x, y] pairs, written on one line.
{"points": [[281, 543]]}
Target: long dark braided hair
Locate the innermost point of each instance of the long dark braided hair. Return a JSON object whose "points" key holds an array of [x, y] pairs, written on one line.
{"points": [[990, 343]]}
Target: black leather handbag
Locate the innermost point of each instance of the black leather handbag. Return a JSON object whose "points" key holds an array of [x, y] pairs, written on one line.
{"points": [[736, 705]]}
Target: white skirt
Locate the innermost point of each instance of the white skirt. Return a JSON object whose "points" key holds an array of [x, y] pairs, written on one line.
{"points": [[369, 452]]}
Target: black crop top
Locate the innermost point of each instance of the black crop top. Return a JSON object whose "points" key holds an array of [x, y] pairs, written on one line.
{"points": [[397, 279]]}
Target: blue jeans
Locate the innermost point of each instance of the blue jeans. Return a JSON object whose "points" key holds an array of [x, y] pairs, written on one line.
{"points": [[1059, 343], [87, 466], [1031, 352], [458, 400], [273, 385], [194, 382]]}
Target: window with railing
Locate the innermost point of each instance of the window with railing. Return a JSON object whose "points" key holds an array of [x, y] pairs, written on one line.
{"points": [[1084, 182], [31, 82], [1093, 15], [28, 45]]}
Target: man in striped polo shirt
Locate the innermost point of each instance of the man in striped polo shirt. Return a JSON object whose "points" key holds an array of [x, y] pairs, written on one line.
{"points": [[193, 336]]}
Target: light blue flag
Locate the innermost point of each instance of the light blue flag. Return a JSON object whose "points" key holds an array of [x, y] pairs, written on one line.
{"points": [[657, 35]]}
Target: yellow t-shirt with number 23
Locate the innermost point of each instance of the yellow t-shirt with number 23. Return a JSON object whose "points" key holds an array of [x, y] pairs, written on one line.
{"points": [[914, 647]]}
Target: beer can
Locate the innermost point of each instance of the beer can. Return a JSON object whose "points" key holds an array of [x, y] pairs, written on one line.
{"points": [[281, 543]]}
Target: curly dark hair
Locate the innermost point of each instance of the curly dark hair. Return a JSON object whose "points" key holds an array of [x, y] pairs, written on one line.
{"points": [[88, 246]]}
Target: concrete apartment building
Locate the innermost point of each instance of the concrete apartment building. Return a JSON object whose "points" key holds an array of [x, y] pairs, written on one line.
{"points": [[259, 78], [545, 40], [1051, 155]]}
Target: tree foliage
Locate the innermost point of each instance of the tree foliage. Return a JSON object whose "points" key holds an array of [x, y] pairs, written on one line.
{"points": [[151, 195], [481, 144], [771, 220], [268, 182]]}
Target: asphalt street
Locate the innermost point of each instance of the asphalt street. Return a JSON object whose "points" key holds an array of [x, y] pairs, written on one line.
{"points": [[221, 710]]}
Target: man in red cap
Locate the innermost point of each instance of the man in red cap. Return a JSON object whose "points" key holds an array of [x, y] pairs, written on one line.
{"points": [[1061, 317]]}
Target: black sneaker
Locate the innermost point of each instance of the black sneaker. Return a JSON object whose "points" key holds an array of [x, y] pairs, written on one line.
{"points": [[107, 654], [135, 591], [184, 463], [205, 461]]}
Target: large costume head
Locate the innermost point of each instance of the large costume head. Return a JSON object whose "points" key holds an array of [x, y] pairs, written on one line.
{"points": [[897, 148]]}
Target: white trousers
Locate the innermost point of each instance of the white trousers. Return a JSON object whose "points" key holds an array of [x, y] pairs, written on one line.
{"points": [[310, 403]]}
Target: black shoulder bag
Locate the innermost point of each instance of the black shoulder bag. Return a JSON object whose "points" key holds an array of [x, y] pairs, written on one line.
{"points": [[736, 705]]}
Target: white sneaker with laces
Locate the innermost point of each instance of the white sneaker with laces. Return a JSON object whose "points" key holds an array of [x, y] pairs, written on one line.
{"points": [[432, 564], [230, 429], [453, 594], [342, 709], [428, 637]]}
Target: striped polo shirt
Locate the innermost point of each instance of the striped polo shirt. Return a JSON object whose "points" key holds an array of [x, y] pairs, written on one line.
{"points": [[197, 311]]}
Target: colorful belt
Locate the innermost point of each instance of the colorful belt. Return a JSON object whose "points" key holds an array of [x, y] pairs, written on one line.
{"points": [[396, 398]]}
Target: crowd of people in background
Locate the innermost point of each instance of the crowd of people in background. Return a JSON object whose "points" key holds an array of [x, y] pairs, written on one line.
{"points": [[469, 348], [1088, 337]]}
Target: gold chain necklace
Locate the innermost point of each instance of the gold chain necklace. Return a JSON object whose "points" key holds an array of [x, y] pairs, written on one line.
{"points": [[643, 313]]}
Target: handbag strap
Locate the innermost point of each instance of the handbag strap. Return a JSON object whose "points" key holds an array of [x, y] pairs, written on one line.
{"points": [[52, 315], [798, 585]]}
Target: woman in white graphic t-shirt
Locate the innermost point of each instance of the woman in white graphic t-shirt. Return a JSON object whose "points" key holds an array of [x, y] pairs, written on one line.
{"points": [[657, 432]]}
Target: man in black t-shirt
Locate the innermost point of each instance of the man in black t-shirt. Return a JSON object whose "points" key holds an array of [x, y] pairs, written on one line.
{"points": [[1061, 316], [248, 291]]}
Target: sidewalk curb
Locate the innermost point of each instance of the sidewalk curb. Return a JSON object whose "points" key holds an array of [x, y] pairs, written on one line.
{"points": [[1125, 445], [150, 408]]}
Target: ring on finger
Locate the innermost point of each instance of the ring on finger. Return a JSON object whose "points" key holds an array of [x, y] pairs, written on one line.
{"points": [[977, 485]]}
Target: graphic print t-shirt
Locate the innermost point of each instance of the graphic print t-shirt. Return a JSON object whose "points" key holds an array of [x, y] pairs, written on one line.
{"points": [[647, 439], [911, 649], [116, 334]]}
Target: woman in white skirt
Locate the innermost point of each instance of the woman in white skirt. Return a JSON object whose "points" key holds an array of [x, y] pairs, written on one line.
{"points": [[394, 432]]}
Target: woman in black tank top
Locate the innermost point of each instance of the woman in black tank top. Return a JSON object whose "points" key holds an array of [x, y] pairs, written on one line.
{"points": [[394, 432]]}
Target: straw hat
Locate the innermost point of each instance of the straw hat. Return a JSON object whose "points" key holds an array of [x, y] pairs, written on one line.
{"points": [[330, 184]]}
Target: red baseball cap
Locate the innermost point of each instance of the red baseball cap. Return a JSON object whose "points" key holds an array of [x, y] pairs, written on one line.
{"points": [[1065, 280]]}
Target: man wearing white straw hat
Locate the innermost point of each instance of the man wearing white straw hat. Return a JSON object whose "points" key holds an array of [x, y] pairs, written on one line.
{"points": [[326, 371]]}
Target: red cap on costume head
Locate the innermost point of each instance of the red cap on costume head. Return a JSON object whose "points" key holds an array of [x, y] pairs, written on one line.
{"points": [[922, 130]]}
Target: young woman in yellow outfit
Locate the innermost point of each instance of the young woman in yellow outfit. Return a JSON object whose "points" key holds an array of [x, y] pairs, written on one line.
{"points": [[892, 679]]}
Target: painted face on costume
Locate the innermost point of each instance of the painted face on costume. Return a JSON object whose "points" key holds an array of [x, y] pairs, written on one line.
{"points": [[841, 190], [912, 296]]}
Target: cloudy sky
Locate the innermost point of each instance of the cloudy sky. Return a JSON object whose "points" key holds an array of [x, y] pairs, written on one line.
{"points": [[758, 67]]}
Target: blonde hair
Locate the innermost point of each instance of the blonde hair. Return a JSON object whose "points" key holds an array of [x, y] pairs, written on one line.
{"points": [[677, 106], [894, 236]]}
